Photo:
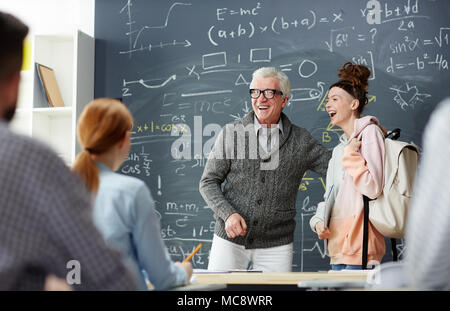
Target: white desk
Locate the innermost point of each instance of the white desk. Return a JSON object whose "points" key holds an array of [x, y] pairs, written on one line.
{"points": [[268, 280]]}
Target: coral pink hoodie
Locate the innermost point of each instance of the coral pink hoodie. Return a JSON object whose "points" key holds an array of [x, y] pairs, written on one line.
{"points": [[363, 174]]}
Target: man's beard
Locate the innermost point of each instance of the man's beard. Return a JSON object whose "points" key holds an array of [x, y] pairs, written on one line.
{"points": [[8, 114]]}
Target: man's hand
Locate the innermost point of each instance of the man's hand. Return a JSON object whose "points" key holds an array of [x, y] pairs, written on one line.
{"points": [[322, 232], [235, 225]]}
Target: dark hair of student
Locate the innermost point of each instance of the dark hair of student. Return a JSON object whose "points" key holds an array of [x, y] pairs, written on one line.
{"points": [[355, 81], [102, 124], [12, 34]]}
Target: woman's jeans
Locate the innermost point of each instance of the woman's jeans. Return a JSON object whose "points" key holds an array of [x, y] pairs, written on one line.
{"points": [[349, 267]]}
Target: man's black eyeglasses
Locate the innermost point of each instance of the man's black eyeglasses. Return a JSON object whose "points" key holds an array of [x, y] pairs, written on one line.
{"points": [[268, 93]]}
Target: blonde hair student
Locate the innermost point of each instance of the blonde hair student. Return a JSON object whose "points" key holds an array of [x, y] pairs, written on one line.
{"points": [[103, 124], [355, 169], [124, 209]]}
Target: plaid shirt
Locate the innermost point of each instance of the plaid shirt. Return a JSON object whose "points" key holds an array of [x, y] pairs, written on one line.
{"points": [[45, 222]]}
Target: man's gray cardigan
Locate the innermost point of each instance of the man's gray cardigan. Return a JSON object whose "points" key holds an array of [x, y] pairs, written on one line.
{"points": [[264, 198]]}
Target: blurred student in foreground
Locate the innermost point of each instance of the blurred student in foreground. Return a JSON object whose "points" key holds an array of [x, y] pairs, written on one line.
{"points": [[124, 209], [45, 215], [427, 263]]}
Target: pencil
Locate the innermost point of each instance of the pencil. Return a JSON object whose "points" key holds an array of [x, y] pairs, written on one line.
{"points": [[193, 253]]}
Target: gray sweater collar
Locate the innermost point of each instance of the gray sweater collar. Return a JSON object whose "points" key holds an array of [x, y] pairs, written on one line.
{"points": [[287, 125]]}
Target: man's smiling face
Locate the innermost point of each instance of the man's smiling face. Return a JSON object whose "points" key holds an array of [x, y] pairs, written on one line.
{"points": [[268, 111]]}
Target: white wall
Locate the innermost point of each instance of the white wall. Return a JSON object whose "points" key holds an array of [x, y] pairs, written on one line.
{"points": [[53, 16], [50, 17], [85, 16]]}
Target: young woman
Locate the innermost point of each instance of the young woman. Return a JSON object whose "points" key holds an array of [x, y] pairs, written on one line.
{"points": [[356, 168], [124, 210]]}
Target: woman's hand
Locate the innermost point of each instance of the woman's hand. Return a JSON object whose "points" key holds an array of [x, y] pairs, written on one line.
{"points": [[187, 266], [354, 145], [322, 232]]}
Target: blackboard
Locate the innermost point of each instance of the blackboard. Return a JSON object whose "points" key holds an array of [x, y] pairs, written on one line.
{"points": [[185, 67]]}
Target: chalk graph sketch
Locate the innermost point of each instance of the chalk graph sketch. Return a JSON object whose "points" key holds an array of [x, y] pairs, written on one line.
{"points": [[145, 84], [134, 34], [318, 246], [408, 96]]}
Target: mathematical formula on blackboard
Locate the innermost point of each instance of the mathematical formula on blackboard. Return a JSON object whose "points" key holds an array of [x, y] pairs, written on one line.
{"points": [[184, 70]]}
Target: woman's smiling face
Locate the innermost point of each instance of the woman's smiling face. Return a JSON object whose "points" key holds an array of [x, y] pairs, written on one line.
{"points": [[339, 106]]}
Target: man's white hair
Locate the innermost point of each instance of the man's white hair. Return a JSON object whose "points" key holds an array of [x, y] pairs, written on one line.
{"points": [[264, 72]]}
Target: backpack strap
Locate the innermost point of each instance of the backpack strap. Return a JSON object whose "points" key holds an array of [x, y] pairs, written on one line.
{"points": [[394, 249], [365, 233], [394, 135], [365, 246]]}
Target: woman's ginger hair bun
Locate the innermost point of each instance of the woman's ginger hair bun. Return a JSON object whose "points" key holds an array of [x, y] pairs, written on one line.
{"points": [[358, 75], [355, 81]]}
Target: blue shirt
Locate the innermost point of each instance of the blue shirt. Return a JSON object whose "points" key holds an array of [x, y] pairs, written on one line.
{"points": [[125, 214]]}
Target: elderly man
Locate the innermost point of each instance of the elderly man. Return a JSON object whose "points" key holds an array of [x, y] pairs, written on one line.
{"points": [[255, 210]]}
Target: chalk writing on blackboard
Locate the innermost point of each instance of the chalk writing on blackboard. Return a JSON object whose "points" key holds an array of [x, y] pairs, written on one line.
{"points": [[177, 63]]}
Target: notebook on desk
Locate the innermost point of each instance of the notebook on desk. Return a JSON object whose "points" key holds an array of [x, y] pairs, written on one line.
{"points": [[206, 271], [331, 283]]}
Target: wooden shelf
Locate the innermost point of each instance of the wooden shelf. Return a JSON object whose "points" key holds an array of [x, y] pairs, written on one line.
{"points": [[72, 59]]}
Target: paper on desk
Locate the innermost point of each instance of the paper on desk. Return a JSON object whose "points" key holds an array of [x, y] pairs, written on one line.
{"points": [[331, 283], [206, 271]]}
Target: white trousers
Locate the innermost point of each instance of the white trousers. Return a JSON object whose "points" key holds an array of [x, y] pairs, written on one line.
{"points": [[226, 255]]}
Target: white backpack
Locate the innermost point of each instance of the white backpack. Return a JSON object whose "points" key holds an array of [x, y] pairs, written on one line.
{"points": [[388, 212]]}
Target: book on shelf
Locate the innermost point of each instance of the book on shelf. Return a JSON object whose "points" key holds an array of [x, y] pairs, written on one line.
{"points": [[49, 85]]}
